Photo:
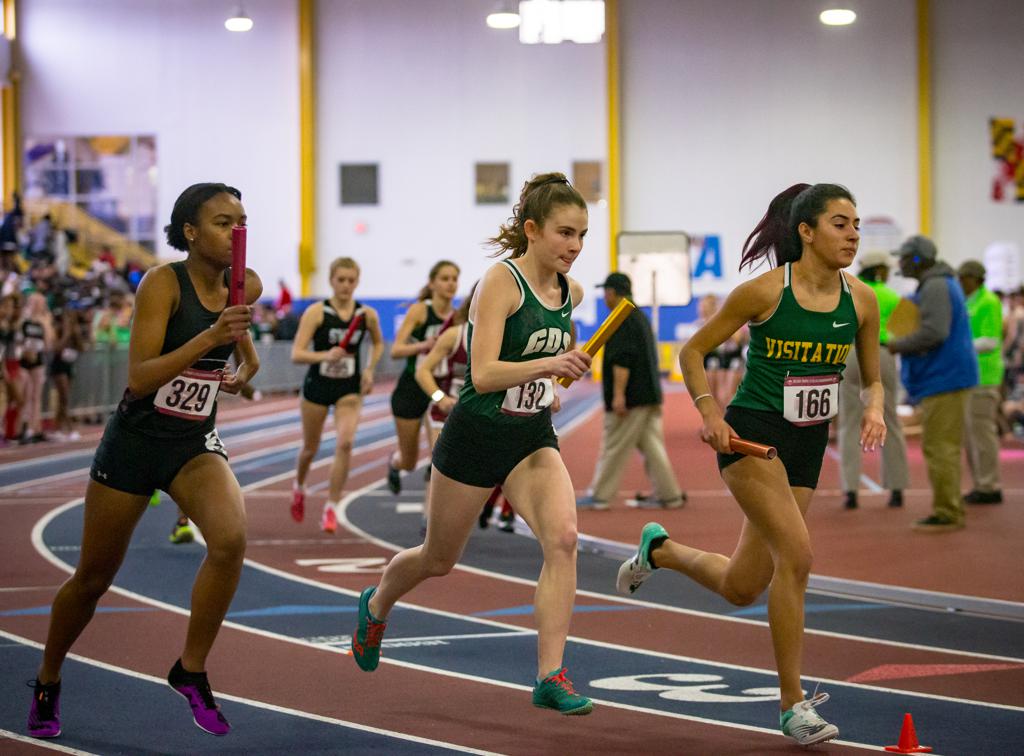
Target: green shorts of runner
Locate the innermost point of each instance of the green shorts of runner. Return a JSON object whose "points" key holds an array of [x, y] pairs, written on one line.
{"points": [[473, 451]]}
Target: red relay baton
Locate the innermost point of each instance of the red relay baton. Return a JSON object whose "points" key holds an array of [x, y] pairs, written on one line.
{"points": [[357, 318], [236, 294]]}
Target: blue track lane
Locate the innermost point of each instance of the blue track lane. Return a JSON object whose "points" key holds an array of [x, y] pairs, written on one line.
{"points": [[659, 683]]}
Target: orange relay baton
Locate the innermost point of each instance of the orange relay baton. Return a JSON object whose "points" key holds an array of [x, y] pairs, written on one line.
{"points": [[752, 448], [604, 332]]}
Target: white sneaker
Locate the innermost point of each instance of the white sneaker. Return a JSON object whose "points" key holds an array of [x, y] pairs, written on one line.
{"points": [[635, 571], [804, 725]]}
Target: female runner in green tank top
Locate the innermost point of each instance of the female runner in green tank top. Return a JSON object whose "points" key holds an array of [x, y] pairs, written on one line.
{"points": [[500, 431], [803, 317]]}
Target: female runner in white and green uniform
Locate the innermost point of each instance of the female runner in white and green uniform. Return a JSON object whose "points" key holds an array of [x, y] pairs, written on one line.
{"points": [[500, 430], [803, 317]]}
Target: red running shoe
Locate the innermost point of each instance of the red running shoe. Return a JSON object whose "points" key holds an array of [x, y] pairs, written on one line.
{"points": [[298, 504]]}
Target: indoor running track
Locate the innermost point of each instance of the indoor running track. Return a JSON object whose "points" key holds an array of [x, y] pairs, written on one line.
{"points": [[672, 669]]}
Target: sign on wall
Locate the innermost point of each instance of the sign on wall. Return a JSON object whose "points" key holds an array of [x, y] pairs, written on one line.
{"points": [[1008, 157]]}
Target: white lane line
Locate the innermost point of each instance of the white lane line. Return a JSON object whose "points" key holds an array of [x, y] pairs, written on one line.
{"points": [[254, 703], [44, 744]]}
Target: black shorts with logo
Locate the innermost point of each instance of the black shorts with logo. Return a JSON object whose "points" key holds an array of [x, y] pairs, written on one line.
{"points": [[408, 400], [801, 448], [476, 452], [327, 391], [137, 463]]}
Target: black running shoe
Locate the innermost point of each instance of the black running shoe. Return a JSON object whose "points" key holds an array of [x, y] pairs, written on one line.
{"points": [[394, 479]]}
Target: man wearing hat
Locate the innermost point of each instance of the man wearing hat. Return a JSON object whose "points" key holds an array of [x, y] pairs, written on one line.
{"points": [[632, 402], [874, 271], [938, 370], [981, 428]]}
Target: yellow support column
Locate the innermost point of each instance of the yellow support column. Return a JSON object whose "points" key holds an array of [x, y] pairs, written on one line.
{"points": [[924, 115], [10, 102], [611, 46], [307, 143]]}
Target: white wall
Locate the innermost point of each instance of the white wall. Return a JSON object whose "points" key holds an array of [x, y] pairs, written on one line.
{"points": [[223, 106], [727, 102], [427, 90], [978, 70]]}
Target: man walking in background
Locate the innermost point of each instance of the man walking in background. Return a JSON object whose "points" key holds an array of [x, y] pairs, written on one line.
{"points": [[632, 401], [981, 428], [938, 370]]}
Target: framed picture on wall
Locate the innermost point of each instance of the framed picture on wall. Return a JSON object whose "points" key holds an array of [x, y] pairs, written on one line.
{"points": [[491, 183], [586, 177], [359, 184]]}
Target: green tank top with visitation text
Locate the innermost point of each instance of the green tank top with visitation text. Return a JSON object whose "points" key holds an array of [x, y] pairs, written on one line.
{"points": [[793, 343], [532, 332]]}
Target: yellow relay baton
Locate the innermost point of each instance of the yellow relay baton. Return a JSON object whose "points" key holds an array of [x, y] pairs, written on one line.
{"points": [[601, 335]]}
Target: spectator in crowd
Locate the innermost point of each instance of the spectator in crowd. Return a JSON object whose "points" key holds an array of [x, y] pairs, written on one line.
{"points": [[874, 271], [41, 239], [68, 345], [981, 429], [938, 370], [632, 402], [1013, 338], [9, 367], [37, 337], [111, 326]]}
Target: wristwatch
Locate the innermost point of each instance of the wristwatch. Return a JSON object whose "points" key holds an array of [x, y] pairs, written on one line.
{"points": [[437, 396]]}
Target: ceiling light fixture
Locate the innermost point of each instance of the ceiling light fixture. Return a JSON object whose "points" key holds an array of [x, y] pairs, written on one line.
{"points": [[504, 16], [837, 17], [239, 22]]}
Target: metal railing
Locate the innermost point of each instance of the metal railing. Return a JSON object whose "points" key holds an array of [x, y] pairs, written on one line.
{"points": [[101, 375]]}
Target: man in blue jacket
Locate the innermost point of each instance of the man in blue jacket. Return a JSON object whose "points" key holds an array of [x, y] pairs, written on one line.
{"points": [[938, 370]]}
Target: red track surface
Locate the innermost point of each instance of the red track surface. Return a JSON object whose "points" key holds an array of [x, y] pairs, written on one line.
{"points": [[873, 544]]}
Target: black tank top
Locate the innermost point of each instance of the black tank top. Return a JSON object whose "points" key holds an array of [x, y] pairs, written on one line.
{"points": [[191, 318], [329, 334]]}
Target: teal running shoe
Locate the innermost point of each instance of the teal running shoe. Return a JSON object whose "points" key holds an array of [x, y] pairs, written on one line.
{"points": [[636, 570], [556, 692]]}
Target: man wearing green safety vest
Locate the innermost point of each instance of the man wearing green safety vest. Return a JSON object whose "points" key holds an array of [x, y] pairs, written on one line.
{"points": [[874, 271], [981, 428]]}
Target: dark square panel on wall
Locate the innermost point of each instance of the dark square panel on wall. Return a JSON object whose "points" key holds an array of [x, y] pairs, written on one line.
{"points": [[359, 184]]}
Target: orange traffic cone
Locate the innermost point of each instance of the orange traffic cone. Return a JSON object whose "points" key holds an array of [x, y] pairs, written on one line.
{"points": [[908, 739]]}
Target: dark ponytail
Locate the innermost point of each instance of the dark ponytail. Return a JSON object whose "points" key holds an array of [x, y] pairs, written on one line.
{"points": [[540, 195], [777, 237]]}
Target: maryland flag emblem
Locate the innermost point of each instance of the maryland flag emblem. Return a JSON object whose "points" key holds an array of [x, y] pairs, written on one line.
{"points": [[1008, 154]]}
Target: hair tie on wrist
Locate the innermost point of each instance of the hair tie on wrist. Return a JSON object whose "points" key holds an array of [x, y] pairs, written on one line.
{"points": [[698, 398]]}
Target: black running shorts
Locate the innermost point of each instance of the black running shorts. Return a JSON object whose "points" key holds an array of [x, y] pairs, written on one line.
{"points": [[136, 463], [801, 449], [327, 391], [408, 400], [476, 452]]}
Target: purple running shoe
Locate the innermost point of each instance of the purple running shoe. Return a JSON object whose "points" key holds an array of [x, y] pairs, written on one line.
{"points": [[44, 716], [196, 689]]}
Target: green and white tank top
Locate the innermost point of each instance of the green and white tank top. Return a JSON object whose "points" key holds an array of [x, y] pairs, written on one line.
{"points": [[532, 332], [796, 357]]}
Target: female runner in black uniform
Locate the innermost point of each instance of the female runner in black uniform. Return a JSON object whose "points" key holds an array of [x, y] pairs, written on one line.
{"points": [[416, 336], [163, 436], [334, 380]]}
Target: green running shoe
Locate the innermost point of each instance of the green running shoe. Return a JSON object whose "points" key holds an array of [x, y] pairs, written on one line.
{"points": [[556, 692], [367, 637], [154, 500], [182, 532], [636, 570]]}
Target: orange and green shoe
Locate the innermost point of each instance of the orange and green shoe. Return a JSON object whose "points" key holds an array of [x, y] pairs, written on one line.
{"points": [[556, 692], [367, 637]]}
